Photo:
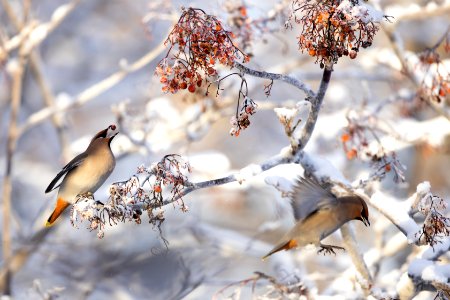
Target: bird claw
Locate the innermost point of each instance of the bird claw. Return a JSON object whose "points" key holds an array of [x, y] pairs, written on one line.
{"points": [[87, 195], [328, 249]]}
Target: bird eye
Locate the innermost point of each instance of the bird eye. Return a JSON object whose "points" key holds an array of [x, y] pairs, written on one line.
{"points": [[113, 127]]}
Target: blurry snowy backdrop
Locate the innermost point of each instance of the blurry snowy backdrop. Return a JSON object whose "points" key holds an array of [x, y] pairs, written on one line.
{"points": [[71, 68]]}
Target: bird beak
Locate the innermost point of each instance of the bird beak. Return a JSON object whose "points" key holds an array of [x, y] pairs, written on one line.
{"points": [[112, 131], [366, 222]]}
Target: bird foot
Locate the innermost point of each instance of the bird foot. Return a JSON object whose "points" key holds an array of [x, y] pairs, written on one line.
{"points": [[87, 195], [328, 249]]}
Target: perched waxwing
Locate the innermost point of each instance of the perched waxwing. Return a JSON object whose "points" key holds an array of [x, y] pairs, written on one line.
{"points": [[85, 173], [318, 213]]}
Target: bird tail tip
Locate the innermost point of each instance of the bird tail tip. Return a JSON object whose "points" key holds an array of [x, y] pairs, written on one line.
{"points": [[61, 205], [284, 246]]}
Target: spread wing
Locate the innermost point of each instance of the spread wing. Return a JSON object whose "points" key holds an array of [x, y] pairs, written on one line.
{"points": [[67, 168], [308, 196]]}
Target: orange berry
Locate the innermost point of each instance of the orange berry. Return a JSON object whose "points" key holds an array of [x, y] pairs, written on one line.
{"points": [[387, 167], [345, 137], [243, 11], [157, 189], [191, 88], [351, 154]]}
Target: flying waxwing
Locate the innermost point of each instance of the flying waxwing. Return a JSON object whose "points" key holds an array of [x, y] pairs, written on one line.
{"points": [[85, 173], [319, 213]]}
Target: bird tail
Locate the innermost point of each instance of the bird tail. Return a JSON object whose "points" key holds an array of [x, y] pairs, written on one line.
{"points": [[61, 205], [283, 246]]}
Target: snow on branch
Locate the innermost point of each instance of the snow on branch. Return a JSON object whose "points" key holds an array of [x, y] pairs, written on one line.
{"points": [[142, 192], [150, 189], [428, 273], [435, 227]]}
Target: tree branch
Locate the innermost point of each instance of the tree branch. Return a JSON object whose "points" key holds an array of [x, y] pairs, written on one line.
{"points": [[316, 103], [273, 76], [295, 151]]}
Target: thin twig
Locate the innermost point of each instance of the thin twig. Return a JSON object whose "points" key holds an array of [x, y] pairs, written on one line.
{"points": [[16, 96], [414, 12], [93, 91], [274, 76], [273, 162], [397, 45], [36, 69]]}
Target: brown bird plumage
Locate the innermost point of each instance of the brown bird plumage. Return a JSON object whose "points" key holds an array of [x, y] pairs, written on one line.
{"points": [[318, 214], [85, 173]]}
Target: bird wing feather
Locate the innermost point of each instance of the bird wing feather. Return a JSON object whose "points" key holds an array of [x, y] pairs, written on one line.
{"points": [[308, 197], [75, 162]]}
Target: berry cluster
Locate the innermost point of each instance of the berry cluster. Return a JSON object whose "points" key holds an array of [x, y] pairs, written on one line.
{"points": [[142, 192], [334, 28], [360, 140], [436, 224], [435, 84], [197, 43], [241, 120]]}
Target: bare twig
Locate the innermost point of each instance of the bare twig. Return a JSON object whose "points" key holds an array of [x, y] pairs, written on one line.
{"points": [[397, 45], [415, 12], [57, 19], [40, 32], [274, 76], [93, 91], [16, 96], [21, 255]]}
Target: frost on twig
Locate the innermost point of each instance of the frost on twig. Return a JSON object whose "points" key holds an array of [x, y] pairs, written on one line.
{"points": [[273, 288], [361, 139], [436, 224], [143, 192], [291, 119]]}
